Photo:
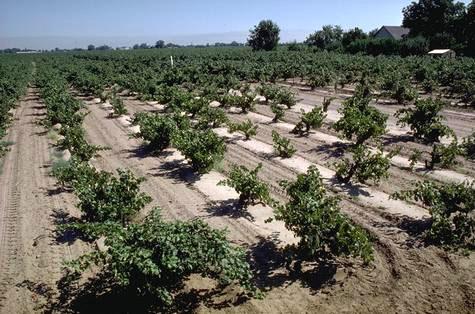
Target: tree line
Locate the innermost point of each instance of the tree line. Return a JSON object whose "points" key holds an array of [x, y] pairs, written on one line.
{"points": [[432, 24]]}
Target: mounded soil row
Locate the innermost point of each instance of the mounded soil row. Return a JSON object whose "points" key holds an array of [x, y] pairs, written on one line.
{"points": [[404, 277]]}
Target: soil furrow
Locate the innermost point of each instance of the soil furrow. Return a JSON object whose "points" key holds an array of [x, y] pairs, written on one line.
{"points": [[33, 258]]}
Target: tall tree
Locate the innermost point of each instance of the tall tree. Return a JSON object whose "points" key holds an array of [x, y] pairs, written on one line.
{"points": [[431, 17], [469, 29], [160, 44], [325, 37], [264, 36], [352, 35]]}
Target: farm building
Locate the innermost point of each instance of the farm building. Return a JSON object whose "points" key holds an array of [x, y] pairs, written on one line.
{"points": [[394, 32], [445, 53]]}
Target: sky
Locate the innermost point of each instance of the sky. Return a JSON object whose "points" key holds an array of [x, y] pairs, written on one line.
{"points": [[46, 24]]}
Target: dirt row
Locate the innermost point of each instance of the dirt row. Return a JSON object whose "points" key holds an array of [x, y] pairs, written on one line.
{"points": [[403, 278], [329, 151], [326, 141], [463, 123], [403, 142], [390, 256], [31, 255]]}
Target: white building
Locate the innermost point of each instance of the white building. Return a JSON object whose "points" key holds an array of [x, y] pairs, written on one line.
{"points": [[442, 53]]}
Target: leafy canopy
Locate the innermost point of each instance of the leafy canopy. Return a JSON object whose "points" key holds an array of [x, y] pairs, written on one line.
{"points": [[155, 258], [247, 184], [315, 218], [156, 129], [424, 119], [328, 35], [202, 148], [264, 36], [282, 146], [364, 165], [451, 207], [310, 120], [360, 121], [247, 127]]}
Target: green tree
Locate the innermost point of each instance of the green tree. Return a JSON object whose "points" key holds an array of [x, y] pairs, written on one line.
{"points": [[264, 36], [469, 29], [438, 20], [430, 17], [352, 35], [328, 35], [160, 44]]}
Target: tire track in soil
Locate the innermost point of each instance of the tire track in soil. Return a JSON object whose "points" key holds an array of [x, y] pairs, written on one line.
{"points": [[103, 131], [9, 219], [33, 259], [384, 284], [178, 199], [398, 268], [369, 218], [272, 174], [380, 227]]}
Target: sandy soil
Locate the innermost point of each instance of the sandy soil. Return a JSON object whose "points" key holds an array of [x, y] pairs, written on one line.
{"points": [[463, 123], [397, 138], [404, 277], [333, 146], [30, 254], [403, 142]]}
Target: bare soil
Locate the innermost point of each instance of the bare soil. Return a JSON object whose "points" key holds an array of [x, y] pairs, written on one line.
{"points": [[398, 139], [405, 277], [31, 254], [463, 123]]}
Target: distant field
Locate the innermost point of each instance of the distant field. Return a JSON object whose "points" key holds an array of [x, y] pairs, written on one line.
{"points": [[183, 119]]}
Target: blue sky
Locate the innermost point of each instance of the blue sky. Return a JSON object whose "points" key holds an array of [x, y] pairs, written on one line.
{"points": [[66, 23]]}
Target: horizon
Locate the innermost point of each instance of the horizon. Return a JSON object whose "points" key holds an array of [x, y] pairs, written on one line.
{"points": [[27, 24], [66, 24], [49, 42]]}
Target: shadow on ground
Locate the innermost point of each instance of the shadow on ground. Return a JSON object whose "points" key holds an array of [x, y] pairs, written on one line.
{"points": [[280, 267], [232, 208], [273, 267]]}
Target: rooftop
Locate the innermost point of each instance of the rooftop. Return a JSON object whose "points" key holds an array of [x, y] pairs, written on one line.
{"points": [[398, 32], [439, 51]]}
